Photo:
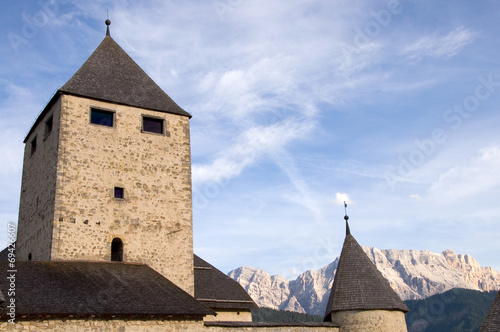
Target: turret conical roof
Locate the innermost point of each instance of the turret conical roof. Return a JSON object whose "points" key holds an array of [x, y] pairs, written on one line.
{"points": [[110, 74], [358, 285], [492, 321]]}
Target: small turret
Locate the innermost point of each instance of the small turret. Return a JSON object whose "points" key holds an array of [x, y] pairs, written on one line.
{"points": [[361, 299]]}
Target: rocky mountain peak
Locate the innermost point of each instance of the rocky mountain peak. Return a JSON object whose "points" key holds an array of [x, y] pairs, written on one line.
{"points": [[413, 274]]}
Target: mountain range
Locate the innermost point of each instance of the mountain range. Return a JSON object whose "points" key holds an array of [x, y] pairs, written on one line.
{"points": [[413, 274]]}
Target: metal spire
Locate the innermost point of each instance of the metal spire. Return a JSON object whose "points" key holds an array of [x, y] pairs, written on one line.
{"points": [[346, 218], [108, 22]]}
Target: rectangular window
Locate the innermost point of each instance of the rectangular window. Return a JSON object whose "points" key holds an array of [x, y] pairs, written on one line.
{"points": [[152, 125], [101, 117], [33, 145], [119, 193], [48, 126]]}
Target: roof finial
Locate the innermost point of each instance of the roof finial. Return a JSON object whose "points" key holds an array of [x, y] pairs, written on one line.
{"points": [[346, 218], [108, 22]]}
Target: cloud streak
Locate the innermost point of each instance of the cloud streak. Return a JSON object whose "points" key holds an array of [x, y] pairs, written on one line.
{"points": [[250, 146], [434, 46], [475, 177]]}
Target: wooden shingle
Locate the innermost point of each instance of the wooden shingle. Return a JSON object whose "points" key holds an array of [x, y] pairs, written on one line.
{"points": [[110, 74], [358, 285], [492, 321], [72, 288], [216, 290]]}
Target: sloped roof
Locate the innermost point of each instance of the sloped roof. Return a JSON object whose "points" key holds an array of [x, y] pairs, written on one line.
{"points": [[358, 285], [216, 290], [66, 288], [492, 321], [110, 74]]}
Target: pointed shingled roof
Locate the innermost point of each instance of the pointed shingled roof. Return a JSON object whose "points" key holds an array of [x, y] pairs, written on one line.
{"points": [[492, 321], [110, 74], [358, 285]]}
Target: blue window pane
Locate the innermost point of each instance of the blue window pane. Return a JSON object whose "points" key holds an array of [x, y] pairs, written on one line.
{"points": [[152, 125], [103, 118]]}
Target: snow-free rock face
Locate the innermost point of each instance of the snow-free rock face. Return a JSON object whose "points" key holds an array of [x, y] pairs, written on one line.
{"points": [[267, 291], [419, 274], [412, 274]]}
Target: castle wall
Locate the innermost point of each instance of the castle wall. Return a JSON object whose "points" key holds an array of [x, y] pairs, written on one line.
{"points": [[97, 325], [153, 325], [230, 316], [154, 219], [370, 321], [36, 209]]}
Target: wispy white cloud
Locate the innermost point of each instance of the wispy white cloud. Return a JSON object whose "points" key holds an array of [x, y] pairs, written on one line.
{"points": [[341, 198], [477, 176], [250, 146], [304, 195], [435, 46]]}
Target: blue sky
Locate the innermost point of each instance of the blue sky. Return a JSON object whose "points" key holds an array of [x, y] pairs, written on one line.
{"points": [[392, 106]]}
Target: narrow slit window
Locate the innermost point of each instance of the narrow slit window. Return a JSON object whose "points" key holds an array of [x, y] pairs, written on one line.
{"points": [[48, 126], [101, 117], [117, 250], [119, 193], [33, 146], [152, 125]]}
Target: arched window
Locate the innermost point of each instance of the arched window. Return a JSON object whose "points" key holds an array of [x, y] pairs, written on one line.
{"points": [[117, 250], [29, 256]]}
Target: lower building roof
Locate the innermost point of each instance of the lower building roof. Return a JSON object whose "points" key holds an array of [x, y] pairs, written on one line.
{"points": [[273, 325], [217, 291], [69, 288]]}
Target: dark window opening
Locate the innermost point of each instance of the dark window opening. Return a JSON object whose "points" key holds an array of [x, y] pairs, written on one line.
{"points": [[29, 256], [119, 192], [48, 126], [33, 145], [100, 117], [152, 125], [116, 250]]}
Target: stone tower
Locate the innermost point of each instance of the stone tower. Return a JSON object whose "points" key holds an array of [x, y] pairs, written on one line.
{"points": [[361, 299], [107, 172]]}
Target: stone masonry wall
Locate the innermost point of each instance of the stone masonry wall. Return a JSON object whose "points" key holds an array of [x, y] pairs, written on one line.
{"points": [[36, 209], [230, 316], [118, 325], [97, 325], [370, 321], [154, 220]]}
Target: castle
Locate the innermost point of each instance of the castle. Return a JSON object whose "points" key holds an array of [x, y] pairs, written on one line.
{"points": [[105, 231]]}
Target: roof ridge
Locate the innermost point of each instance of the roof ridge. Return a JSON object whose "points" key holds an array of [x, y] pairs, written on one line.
{"points": [[359, 285], [217, 290], [110, 74]]}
